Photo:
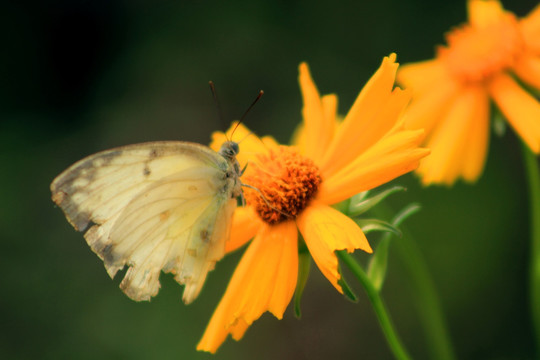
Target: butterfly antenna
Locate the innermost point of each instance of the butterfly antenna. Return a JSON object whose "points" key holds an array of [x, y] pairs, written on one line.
{"points": [[262, 142], [245, 137], [256, 137], [259, 95], [216, 102]]}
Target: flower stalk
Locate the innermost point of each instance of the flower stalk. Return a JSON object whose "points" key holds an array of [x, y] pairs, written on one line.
{"points": [[426, 298], [379, 307], [429, 308], [533, 179]]}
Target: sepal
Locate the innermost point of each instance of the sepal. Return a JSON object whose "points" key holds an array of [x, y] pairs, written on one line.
{"points": [[304, 264], [360, 203]]}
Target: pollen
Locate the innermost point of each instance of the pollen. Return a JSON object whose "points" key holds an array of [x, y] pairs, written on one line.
{"points": [[282, 184], [474, 54]]}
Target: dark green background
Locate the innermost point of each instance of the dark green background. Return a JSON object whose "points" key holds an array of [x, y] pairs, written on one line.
{"points": [[82, 76]]}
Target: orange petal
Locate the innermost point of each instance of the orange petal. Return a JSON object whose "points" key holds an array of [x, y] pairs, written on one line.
{"points": [[422, 76], [383, 122], [530, 30], [358, 130], [528, 70], [478, 134], [484, 12], [326, 230], [458, 145], [300, 138], [264, 280], [329, 104], [394, 155], [244, 227], [520, 108], [249, 144], [319, 121], [425, 109]]}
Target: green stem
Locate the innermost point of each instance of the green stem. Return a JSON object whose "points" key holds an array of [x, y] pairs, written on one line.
{"points": [[533, 178], [382, 314], [425, 296]]}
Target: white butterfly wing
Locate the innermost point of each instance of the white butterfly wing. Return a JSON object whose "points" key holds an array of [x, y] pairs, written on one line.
{"points": [[153, 206]]}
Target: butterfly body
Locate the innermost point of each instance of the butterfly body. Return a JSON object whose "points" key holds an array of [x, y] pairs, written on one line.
{"points": [[154, 206]]}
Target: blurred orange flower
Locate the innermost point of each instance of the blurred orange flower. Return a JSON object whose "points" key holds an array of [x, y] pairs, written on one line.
{"points": [[330, 162], [452, 92]]}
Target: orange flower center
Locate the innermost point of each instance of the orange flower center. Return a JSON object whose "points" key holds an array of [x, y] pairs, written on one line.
{"points": [[474, 54], [286, 180]]}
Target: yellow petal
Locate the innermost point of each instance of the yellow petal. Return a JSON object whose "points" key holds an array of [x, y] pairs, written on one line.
{"points": [[484, 12], [528, 69], [520, 108], [244, 227], [318, 123], [394, 155], [250, 145], [264, 280], [530, 30], [358, 130], [422, 76], [455, 150], [326, 230]]}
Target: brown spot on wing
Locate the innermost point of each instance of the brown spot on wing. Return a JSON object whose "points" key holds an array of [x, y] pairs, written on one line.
{"points": [[146, 170], [80, 220], [205, 235], [164, 215], [155, 152], [58, 197]]}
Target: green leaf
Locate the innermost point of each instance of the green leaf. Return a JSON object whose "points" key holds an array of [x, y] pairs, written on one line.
{"points": [[360, 203], [378, 265], [369, 225], [359, 197], [405, 213], [304, 264]]}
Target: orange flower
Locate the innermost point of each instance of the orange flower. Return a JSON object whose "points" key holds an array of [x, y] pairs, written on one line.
{"points": [[452, 92], [331, 162]]}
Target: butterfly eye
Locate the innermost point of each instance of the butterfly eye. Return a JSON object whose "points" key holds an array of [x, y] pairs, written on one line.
{"points": [[234, 148], [229, 149]]}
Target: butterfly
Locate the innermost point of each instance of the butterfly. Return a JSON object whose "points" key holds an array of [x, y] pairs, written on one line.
{"points": [[156, 206]]}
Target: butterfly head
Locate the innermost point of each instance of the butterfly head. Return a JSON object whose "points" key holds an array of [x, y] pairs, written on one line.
{"points": [[229, 150]]}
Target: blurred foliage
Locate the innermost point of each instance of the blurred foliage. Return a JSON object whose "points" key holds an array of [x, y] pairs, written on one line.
{"points": [[83, 76]]}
